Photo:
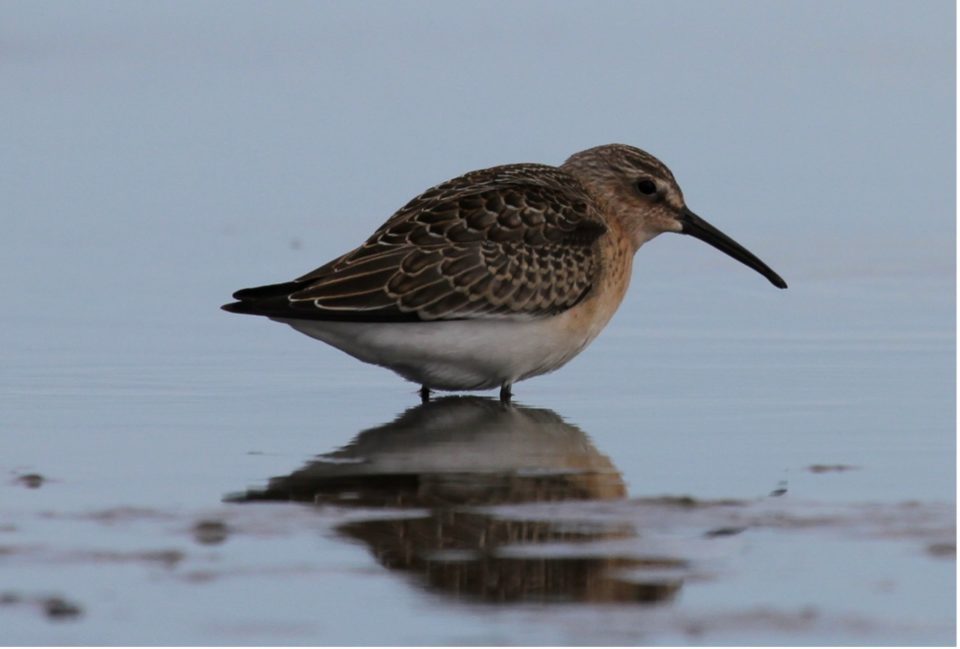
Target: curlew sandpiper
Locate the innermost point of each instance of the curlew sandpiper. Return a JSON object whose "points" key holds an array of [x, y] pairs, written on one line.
{"points": [[496, 276]]}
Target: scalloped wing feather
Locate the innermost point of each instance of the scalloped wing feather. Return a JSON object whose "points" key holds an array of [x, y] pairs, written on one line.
{"points": [[516, 241]]}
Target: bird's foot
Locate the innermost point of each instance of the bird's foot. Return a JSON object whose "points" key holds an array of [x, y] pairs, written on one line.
{"points": [[505, 393], [424, 394]]}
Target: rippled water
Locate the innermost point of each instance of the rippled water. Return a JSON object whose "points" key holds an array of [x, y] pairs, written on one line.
{"points": [[727, 464]]}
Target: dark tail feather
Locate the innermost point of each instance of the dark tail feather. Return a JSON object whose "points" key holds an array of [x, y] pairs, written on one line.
{"points": [[268, 291], [243, 307], [273, 301], [264, 300]]}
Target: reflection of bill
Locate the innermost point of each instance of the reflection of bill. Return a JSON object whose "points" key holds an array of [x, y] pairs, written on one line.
{"points": [[450, 456]]}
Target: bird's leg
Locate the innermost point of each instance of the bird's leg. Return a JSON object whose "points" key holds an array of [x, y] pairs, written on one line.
{"points": [[505, 393], [424, 394]]}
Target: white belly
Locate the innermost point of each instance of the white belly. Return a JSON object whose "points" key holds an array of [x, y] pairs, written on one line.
{"points": [[457, 354]]}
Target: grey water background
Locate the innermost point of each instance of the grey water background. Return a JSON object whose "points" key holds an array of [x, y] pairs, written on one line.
{"points": [[157, 156]]}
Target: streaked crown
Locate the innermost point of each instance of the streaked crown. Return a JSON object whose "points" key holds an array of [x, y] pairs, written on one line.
{"points": [[632, 184]]}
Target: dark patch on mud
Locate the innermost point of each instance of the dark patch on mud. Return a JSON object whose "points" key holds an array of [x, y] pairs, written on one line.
{"points": [[6, 599], [31, 480], [831, 468], [59, 608], [210, 532], [723, 531], [945, 550], [689, 502], [165, 558], [54, 607]]}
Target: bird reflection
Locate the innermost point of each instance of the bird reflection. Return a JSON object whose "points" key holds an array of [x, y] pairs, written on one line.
{"points": [[438, 469]]}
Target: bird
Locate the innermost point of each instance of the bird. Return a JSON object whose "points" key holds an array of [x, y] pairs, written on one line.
{"points": [[495, 276]]}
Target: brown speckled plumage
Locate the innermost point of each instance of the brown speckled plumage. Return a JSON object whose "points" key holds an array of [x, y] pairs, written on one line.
{"points": [[521, 243], [510, 241]]}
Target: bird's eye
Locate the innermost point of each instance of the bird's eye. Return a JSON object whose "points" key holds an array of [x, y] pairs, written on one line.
{"points": [[646, 187]]}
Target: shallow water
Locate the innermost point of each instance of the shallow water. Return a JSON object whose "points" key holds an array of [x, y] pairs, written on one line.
{"points": [[727, 463], [672, 492]]}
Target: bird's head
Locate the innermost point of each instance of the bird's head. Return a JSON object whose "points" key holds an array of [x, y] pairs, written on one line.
{"points": [[646, 199]]}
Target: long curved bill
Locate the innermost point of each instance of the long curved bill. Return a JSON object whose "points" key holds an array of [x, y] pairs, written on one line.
{"points": [[697, 227]]}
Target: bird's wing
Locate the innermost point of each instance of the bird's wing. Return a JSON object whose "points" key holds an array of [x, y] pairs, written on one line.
{"points": [[508, 242]]}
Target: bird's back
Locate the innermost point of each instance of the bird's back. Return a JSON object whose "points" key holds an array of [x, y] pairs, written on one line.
{"points": [[514, 241]]}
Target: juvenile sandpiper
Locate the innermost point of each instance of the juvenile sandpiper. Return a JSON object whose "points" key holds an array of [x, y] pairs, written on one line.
{"points": [[496, 276]]}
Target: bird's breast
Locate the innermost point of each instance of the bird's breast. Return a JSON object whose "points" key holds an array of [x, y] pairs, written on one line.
{"points": [[591, 315]]}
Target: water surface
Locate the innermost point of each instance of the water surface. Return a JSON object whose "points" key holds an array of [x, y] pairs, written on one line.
{"points": [[726, 464]]}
